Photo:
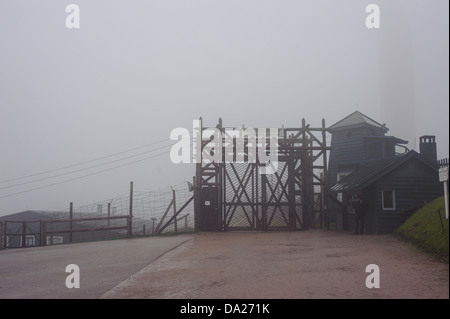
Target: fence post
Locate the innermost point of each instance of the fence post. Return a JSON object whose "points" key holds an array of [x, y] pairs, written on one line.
{"points": [[174, 210], [196, 198], [109, 220], [41, 232], [163, 217], [153, 225], [160, 228], [130, 225], [44, 233], [51, 232], [71, 221], [446, 198], [24, 234]]}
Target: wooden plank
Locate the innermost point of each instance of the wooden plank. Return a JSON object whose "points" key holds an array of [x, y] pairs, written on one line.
{"points": [[87, 229], [85, 219], [164, 216], [174, 216]]}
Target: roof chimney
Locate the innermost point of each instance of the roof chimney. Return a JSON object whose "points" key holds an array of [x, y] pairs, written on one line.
{"points": [[428, 147]]}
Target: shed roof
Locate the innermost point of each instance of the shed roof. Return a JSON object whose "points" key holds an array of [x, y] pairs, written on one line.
{"points": [[370, 172], [357, 119], [394, 139], [30, 215]]}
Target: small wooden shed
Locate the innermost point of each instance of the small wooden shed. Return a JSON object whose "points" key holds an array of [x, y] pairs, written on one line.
{"points": [[391, 186]]}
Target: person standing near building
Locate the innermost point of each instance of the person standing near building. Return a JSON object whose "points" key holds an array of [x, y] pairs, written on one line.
{"points": [[360, 210]]}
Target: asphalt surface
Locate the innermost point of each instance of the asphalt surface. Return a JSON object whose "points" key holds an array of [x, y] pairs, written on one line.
{"points": [[311, 264], [232, 265], [40, 272]]}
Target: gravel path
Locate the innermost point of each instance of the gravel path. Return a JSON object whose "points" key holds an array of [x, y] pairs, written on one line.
{"points": [[290, 265]]}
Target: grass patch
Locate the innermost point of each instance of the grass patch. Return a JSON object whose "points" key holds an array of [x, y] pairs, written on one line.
{"points": [[425, 230]]}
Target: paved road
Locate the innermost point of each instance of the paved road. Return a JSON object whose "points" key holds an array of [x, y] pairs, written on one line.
{"points": [[39, 272], [310, 264], [288, 265]]}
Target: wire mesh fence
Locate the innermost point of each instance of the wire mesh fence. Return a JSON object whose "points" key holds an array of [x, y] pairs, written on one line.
{"points": [[151, 211], [148, 209]]}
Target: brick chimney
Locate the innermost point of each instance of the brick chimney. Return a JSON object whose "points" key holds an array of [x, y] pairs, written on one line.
{"points": [[428, 147]]}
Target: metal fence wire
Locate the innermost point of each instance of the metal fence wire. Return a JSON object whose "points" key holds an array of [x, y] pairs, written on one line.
{"points": [[148, 208], [152, 213]]}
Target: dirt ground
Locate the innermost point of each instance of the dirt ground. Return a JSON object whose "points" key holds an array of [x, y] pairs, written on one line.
{"points": [[288, 265]]}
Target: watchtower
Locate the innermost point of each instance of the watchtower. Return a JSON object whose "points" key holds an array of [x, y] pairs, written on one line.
{"points": [[357, 139]]}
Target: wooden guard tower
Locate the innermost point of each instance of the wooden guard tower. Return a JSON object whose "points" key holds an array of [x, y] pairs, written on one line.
{"points": [[236, 196]]}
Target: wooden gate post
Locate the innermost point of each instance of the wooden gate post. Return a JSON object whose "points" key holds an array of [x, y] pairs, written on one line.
{"points": [[324, 207]]}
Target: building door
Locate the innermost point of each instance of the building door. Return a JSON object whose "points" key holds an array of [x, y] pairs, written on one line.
{"points": [[210, 219]]}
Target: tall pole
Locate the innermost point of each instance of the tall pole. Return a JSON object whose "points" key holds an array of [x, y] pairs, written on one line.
{"points": [[324, 204], [305, 177], [174, 210], [71, 221], [109, 220], [197, 158], [130, 225], [446, 198], [443, 177]]}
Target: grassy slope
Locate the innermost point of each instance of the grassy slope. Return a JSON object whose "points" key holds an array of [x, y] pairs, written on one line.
{"points": [[424, 229]]}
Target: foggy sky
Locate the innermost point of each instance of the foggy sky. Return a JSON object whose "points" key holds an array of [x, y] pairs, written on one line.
{"points": [[135, 70]]}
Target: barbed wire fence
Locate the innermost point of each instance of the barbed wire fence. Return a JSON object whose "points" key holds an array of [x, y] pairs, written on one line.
{"points": [[150, 209], [153, 209]]}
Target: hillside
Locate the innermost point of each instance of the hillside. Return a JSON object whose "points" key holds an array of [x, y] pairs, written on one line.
{"points": [[424, 229]]}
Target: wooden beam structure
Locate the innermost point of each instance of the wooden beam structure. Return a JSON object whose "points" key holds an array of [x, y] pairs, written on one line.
{"points": [[232, 195]]}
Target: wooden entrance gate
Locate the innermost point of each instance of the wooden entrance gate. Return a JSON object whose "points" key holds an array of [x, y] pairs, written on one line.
{"points": [[236, 196]]}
